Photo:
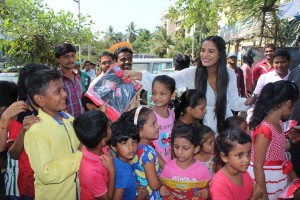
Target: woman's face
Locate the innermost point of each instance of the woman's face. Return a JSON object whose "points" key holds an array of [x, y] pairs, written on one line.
{"points": [[209, 54]]}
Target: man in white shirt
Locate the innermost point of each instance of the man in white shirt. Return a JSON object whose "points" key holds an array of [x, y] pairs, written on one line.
{"points": [[281, 62]]}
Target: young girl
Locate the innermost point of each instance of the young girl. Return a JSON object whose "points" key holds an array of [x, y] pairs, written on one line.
{"points": [[276, 101], [206, 153], [233, 181], [191, 108], [185, 168], [145, 163], [163, 90]]}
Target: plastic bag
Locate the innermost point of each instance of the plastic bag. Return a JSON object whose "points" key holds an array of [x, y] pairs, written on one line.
{"points": [[117, 91]]}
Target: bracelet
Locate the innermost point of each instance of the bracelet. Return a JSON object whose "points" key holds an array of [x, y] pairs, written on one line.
{"points": [[3, 128]]}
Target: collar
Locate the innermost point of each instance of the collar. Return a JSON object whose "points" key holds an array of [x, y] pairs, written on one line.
{"points": [[63, 115], [51, 121], [90, 155]]}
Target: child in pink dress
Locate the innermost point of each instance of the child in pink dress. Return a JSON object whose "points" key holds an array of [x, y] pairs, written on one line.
{"points": [[185, 168], [232, 181], [276, 101]]}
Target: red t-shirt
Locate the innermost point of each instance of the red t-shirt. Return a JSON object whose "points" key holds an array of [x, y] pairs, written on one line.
{"points": [[260, 68], [222, 188], [25, 177]]}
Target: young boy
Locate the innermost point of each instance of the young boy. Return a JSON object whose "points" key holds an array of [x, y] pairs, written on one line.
{"points": [[97, 172], [124, 142], [51, 144]]}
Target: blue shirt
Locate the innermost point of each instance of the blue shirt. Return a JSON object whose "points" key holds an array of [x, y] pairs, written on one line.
{"points": [[125, 179]]}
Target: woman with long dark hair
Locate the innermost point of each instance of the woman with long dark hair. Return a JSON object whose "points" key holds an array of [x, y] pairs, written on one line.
{"points": [[211, 77]]}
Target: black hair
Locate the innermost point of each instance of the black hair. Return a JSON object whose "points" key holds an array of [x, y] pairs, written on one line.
{"points": [[105, 53], [271, 96], [91, 127], [123, 129], [272, 46], [247, 56], [141, 118], [222, 79], [121, 50], [190, 98], [8, 93], [181, 61], [233, 121], [203, 131], [85, 100], [167, 81], [63, 49], [227, 139], [281, 53], [27, 70], [87, 61], [186, 131], [38, 82]]}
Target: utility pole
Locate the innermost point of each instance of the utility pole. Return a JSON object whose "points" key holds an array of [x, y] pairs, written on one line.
{"points": [[79, 26]]}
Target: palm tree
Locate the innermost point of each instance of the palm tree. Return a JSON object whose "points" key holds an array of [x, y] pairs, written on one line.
{"points": [[111, 36], [161, 42], [131, 32]]}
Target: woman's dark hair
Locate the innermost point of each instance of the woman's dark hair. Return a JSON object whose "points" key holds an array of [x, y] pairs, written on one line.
{"points": [[91, 127], [222, 79], [190, 98], [186, 131], [203, 131], [233, 121], [167, 81], [8, 93], [271, 96], [227, 139], [141, 118], [123, 129]]}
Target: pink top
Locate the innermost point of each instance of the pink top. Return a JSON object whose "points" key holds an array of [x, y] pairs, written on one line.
{"points": [[247, 77], [222, 188], [195, 172], [276, 148], [163, 143], [260, 68], [93, 176]]}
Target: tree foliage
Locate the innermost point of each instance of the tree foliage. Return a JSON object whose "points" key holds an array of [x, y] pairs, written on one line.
{"points": [[31, 30], [142, 42], [131, 32], [161, 42]]}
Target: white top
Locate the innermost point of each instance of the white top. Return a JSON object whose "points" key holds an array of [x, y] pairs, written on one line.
{"points": [[186, 78], [266, 78]]}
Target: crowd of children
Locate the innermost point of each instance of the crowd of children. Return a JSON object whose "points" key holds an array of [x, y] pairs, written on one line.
{"points": [[146, 150]]}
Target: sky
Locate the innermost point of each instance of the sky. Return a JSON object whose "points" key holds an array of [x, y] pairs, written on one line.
{"points": [[118, 13]]}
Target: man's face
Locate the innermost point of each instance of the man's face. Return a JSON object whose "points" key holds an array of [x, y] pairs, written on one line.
{"points": [[87, 66], [67, 61], [268, 52], [125, 61], [232, 60], [105, 63], [281, 65]]}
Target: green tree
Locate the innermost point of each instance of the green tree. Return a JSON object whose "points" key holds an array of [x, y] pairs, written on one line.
{"points": [[131, 32], [31, 30], [112, 37], [204, 14], [184, 45], [142, 42], [161, 42]]}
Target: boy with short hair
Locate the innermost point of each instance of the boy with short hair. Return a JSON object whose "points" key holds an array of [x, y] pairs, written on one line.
{"points": [[51, 144], [124, 142], [97, 172]]}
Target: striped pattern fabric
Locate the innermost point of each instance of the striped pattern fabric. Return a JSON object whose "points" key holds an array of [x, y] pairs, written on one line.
{"points": [[11, 177]]}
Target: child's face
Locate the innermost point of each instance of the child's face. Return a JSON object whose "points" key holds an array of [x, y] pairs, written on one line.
{"points": [[150, 128], [209, 144], [54, 99], [184, 150], [161, 95], [126, 150], [199, 111], [238, 159]]}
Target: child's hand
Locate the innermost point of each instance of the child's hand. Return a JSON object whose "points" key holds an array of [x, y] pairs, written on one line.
{"points": [[164, 191], [29, 121], [108, 161], [203, 193], [256, 192], [143, 193], [14, 109]]}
